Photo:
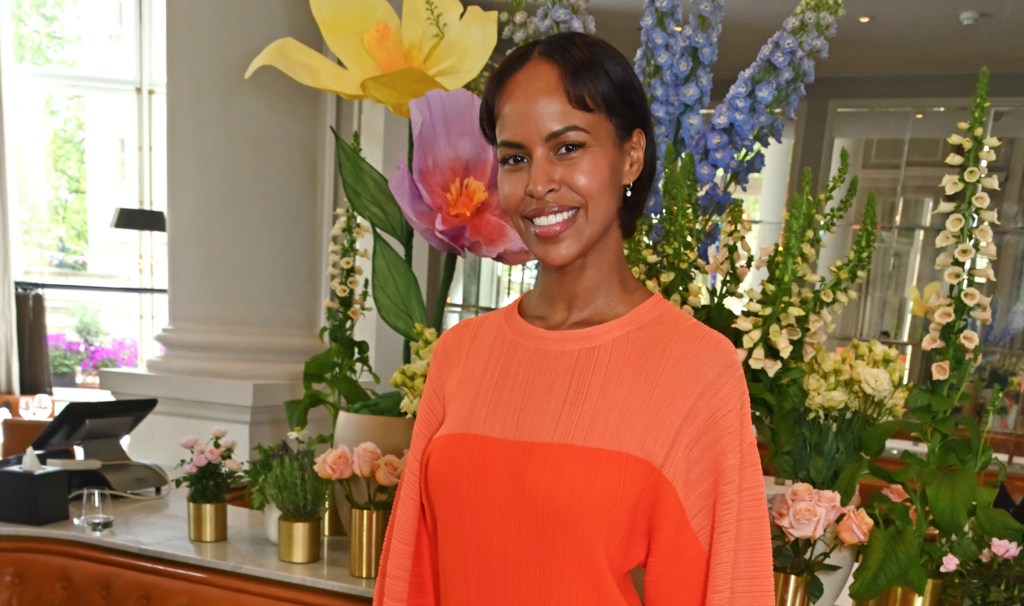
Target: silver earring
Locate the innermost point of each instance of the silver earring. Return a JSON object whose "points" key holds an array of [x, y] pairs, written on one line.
{"points": [[629, 190]]}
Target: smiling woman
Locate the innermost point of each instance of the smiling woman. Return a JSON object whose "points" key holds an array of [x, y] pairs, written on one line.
{"points": [[605, 429]]}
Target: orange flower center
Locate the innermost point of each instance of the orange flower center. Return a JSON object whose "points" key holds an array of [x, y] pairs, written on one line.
{"points": [[464, 197], [385, 46]]}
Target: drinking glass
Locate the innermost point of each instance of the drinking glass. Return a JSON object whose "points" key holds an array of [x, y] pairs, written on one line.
{"points": [[42, 406], [97, 511], [25, 407]]}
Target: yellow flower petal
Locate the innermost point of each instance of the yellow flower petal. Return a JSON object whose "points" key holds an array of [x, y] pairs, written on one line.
{"points": [[465, 49], [396, 89], [308, 67], [344, 23], [419, 33]]}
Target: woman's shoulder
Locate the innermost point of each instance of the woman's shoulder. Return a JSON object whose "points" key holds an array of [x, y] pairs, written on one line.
{"points": [[680, 329]]}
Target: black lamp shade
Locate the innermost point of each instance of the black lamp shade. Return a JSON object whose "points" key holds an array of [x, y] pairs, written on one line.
{"points": [[139, 219]]}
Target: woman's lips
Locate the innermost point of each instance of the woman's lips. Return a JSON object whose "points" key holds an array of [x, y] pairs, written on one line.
{"points": [[549, 224]]}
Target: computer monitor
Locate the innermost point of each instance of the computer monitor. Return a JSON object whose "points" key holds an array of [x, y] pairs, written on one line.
{"points": [[95, 426]]}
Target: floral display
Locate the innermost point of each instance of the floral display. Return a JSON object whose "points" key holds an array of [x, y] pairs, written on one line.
{"points": [[284, 475], [996, 578], [450, 194], [945, 506], [118, 354], [210, 467], [435, 45], [410, 378], [551, 17], [365, 464], [807, 526], [66, 355]]}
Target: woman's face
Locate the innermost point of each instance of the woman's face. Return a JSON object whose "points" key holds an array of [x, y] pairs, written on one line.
{"points": [[561, 170]]}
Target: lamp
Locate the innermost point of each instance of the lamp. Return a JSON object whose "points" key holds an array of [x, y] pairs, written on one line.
{"points": [[139, 219]]}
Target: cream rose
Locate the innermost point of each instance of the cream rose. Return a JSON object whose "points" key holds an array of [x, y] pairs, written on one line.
{"points": [[855, 527], [389, 471], [876, 382]]}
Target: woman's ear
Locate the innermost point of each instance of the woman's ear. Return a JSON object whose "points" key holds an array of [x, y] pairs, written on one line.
{"points": [[636, 145]]}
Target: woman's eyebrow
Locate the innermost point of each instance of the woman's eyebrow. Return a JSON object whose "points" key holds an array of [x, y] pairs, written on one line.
{"points": [[547, 139]]}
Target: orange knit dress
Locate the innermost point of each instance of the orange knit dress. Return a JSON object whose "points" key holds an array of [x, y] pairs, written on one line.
{"points": [[546, 465]]}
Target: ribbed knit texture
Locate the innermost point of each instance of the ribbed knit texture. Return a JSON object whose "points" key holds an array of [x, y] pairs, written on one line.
{"points": [[545, 465]]}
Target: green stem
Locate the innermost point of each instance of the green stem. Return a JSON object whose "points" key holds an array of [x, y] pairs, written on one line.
{"points": [[447, 275]]}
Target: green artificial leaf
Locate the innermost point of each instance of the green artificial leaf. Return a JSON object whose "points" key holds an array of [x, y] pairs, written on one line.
{"points": [[297, 413], [368, 193], [814, 589], [396, 290], [386, 404], [351, 390], [998, 523], [950, 495], [874, 437], [846, 484], [319, 366], [889, 560]]}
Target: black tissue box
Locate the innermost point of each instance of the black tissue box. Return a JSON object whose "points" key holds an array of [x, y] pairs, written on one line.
{"points": [[33, 497]]}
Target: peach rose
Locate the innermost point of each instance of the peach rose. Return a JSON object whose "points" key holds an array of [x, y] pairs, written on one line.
{"points": [[832, 502], [800, 492], [805, 520], [389, 471], [895, 492], [334, 464], [780, 509], [365, 458], [855, 527]]}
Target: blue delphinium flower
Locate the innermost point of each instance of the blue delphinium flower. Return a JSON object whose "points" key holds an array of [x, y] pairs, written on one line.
{"points": [[552, 17]]}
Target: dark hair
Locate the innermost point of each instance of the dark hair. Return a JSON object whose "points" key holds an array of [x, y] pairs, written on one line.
{"points": [[596, 77]]}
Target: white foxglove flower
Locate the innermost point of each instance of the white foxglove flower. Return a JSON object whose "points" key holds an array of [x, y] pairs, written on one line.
{"points": [[952, 184], [990, 182], [988, 250], [954, 160], [944, 315], [943, 260], [983, 233], [931, 341], [972, 174], [970, 296], [955, 139], [953, 275], [969, 339], [983, 315], [980, 200], [964, 253], [963, 126], [945, 238], [772, 366], [331, 304], [990, 216], [945, 207], [984, 273], [756, 360], [955, 222], [992, 141], [749, 339], [987, 155], [967, 144], [743, 323]]}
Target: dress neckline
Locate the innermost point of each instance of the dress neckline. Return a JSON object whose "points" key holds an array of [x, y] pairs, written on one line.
{"points": [[582, 337]]}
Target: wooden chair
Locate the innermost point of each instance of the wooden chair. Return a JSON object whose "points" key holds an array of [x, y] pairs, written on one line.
{"points": [[19, 434]]}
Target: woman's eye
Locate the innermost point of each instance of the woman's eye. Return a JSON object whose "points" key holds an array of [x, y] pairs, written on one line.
{"points": [[511, 160], [569, 148]]}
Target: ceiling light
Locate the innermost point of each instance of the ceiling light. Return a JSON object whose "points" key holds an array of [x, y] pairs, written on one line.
{"points": [[864, 19], [919, 115]]}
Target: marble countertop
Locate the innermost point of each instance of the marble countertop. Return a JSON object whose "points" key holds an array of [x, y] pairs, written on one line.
{"points": [[158, 528]]}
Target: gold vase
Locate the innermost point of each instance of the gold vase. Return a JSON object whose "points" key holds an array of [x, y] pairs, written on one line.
{"points": [[298, 541], [790, 590], [332, 520], [366, 540], [905, 596], [207, 522]]}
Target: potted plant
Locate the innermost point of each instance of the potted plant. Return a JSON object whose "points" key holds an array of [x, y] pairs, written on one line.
{"points": [[65, 357], [289, 481], [369, 479], [210, 471]]}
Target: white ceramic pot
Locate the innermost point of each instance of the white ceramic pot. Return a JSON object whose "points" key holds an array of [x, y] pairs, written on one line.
{"points": [[270, 516], [835, 580]]}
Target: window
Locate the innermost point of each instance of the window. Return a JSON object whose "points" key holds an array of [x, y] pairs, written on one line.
{"points": [[84, 92]]}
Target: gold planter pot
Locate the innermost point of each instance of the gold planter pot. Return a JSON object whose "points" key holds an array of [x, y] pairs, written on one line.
{"points": [[790, 590], [207, 522], [298, 542], [905, 596], [366, 542]]}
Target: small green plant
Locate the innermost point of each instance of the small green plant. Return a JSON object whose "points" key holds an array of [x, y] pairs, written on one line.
{"points": [[284, 476]]}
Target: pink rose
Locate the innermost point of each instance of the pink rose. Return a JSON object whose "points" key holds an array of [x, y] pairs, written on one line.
{"points": [[949, 563], [855, 527], [832, 502], [389, 471], [233, 465], [199, 459], [1004, 549], [986, 555], [895, 492], [806, 520], [780, 509], [213, 454], [365, 458], [218, 432], [334, 464], [228, 444], [191, 468], [800, 492], [189, 442]]}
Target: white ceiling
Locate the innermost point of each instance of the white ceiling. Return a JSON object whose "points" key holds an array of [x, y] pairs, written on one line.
{"points": [[903, 37]]}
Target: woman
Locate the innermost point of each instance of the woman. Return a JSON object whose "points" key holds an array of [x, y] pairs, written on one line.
{"points": [[589, 428]]}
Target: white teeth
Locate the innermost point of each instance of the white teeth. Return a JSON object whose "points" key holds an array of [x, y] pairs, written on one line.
{"points": [[546, 220]]}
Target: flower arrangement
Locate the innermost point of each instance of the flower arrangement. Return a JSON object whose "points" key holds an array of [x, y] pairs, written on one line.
{"points": [[947, 507], [284, 476], [365, 464], [66, 355], [806, 524], [118, 354], [410, 378], [995, 578], [210, 468]]}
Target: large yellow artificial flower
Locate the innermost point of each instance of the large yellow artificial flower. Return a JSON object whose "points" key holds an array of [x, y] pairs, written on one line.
{"points": [[435, 45]]}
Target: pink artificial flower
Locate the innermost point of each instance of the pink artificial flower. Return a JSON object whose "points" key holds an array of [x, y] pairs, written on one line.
{"points": [[895, 492], [189, 442], [365, 458], [949, 563], [855, 527], [389, 471], [233, 465], [218, 432], [334, 464], [199, 459], [450, 197], [1005, 549], [805, 520], [213, 454]]}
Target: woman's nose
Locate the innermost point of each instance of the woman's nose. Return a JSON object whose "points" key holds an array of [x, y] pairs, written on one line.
{"points": [[543, 179]]}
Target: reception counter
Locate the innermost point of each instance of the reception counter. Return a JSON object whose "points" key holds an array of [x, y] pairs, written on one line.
{"points": [[147, 559]]}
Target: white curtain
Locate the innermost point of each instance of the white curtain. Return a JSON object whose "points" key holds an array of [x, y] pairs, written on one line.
{"points": [[8, 328]]}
